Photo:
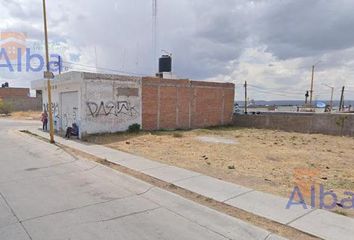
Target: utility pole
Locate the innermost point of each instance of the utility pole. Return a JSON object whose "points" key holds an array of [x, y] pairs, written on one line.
{"points": [[341, 104], [331, 103], [60, 64], [306, 97], [50, 110], [332, 93], [245, 97], [96, 61], [312, 78]]}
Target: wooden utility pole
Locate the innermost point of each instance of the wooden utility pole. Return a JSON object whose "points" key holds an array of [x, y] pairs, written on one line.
{"points": [[341, 104], [312, 78], [49, 88], [245, 97]]}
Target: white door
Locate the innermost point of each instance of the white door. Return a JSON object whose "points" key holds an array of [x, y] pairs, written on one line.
{"points": [[69, 109]]}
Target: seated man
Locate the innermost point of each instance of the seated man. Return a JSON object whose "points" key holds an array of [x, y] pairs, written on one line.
{"points": [[72, 131]]}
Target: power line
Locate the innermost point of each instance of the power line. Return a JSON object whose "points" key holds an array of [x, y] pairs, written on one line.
{"points": [[83, 66], [279, 90], [274, 89], [274, 93]]}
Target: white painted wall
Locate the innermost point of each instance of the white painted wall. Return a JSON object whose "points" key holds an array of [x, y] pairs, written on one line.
{"points": [[110, 105], [64, 83], [97, 103]]}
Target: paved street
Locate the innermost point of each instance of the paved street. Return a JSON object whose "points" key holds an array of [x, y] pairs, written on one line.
{"points": [[45, 193]]}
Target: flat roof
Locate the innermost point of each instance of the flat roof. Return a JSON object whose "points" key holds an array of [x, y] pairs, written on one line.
{"points": [[76, 76]]}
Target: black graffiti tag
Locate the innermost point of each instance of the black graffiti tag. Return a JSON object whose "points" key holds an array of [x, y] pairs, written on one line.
{"points": [[111, 108], [55, 108]]}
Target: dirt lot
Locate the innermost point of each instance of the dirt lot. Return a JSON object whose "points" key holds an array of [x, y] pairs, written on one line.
{"points": [[25, 115], [266, 160]]}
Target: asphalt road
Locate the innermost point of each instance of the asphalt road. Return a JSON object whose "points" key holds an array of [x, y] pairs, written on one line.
{"points": [[46, 193]]}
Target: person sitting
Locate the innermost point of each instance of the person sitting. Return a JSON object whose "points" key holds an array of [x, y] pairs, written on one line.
{"points": [[72, 131]]}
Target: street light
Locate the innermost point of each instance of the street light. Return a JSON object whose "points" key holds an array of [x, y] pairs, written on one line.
{"points": [[332, 92], [47, 75]]}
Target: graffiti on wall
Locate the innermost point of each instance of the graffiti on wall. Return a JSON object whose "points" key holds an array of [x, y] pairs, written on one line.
{"points": [[55, 111], [70, 118], [55, 108], [111, 108]]}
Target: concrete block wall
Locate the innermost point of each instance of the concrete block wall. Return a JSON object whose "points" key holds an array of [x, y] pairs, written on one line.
{"points": [[109, 103], [20, 100], [331, 124], [25, 103], [97, 103], [104, 103], [185, 104], [70, 82]]}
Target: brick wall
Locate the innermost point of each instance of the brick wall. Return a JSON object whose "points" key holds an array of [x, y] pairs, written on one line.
{"points": [[14, 92], [19, 99], [185, 104], [25, 104]]}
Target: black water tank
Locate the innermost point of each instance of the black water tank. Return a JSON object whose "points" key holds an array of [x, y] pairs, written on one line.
{"points": [[165, 64]]}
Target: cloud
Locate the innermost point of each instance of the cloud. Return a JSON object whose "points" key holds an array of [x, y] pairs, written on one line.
{"points": [[272, 78], [270, 43], [303, 28]]}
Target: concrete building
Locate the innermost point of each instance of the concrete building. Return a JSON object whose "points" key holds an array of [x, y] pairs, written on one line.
{"points": [[103, 103], [20, 99]]}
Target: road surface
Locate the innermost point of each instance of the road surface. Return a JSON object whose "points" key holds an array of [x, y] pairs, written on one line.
{"points": [[46, 193]]}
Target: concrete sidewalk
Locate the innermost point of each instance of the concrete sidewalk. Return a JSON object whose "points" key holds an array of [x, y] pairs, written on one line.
{"points": [[48, 194], [317, 222]]}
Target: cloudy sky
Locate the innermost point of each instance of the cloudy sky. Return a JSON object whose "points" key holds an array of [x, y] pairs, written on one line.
{"points": [[270, 43]]}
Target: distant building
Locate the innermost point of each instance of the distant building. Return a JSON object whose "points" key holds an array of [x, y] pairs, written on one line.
{"points": [[20, 99], [103, 103]]}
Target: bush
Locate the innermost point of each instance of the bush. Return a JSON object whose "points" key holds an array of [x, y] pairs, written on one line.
{"points": [[5, 107], [134, 128], [177, 135]]}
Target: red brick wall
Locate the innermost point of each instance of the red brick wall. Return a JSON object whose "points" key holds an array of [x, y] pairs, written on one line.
{"points": [[184, 104], [19, 99], [150, 107], [14, 92]]}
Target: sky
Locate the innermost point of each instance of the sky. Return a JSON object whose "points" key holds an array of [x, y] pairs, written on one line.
{"points": [[271, 44]]}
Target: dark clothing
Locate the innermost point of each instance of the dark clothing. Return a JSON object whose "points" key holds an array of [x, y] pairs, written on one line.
{"points": [[44, 119], [45, 125], [68, 132], [72, 131]]}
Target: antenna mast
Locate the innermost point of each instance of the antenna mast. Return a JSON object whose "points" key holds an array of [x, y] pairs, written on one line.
{"points": [[154, 31]]}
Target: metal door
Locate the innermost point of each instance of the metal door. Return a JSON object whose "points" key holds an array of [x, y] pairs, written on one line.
{"points": [[69, 109]]}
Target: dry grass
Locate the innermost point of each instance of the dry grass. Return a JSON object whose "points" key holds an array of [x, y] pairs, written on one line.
{"points": [[266, 160], [25, 115]]}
